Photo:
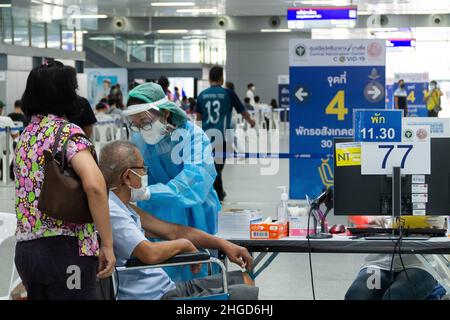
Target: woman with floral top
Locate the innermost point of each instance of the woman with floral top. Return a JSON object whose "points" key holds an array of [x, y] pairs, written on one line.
{"points": [[54, 258]]}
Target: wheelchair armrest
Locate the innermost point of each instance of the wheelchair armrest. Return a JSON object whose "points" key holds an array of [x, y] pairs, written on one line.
{"points": [[184, 257]]}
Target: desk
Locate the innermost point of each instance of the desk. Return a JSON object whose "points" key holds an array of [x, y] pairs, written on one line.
{"points": [[344, 244], [430, 252]]}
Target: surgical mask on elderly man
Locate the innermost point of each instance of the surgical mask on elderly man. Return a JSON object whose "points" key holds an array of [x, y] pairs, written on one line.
{"points": [[157, 132], [142, 193]]}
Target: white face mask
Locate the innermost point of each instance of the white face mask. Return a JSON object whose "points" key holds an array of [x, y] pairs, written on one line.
{"points": [[432, 87], [155, 134], [142, 193]]}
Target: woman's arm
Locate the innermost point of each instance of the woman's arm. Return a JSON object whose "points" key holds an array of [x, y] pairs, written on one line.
{"points": [[95, 187]]}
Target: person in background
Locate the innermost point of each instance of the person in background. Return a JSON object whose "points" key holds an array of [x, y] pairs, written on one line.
{"points": [[432, 99], [229, 85], [274, 104], [85, 117], [181, 170], [47, 247], [257, 102], [214, 108], [251, 93], [123, 168], [17, 114], [101, 110], [192, 105], [176, 95], [7, 122], [247, 104], [400, 98], [163, 81], [185, 104], [400, 277]]}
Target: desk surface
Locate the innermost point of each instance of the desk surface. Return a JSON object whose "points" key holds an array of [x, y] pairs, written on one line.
{"points": [[343, 244]]}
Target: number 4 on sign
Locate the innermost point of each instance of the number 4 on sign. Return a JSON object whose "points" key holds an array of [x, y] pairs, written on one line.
{"points": [[337, 106]]}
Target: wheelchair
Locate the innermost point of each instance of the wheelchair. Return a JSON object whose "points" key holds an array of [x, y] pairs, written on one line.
{"points": [[108, 288]]}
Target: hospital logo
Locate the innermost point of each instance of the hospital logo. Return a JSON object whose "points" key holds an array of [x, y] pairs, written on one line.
{"points": [[374, 50], [408, 134], [300, 50]]}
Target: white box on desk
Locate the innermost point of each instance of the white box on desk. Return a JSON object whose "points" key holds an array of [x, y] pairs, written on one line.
{"points": [[236, 224]]}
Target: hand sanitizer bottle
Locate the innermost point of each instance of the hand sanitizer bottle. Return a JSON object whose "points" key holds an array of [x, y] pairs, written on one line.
{"points": [[282, 213]]}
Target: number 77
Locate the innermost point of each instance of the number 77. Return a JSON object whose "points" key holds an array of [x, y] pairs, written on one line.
{"points": [[391, 147]]}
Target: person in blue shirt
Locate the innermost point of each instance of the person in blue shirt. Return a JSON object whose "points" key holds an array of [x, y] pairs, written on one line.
{"points": [[214, 109], [125, 173], [178, 155]]}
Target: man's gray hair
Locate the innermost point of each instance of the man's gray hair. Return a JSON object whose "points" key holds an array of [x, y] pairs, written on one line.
{"points": [[115, 158]]}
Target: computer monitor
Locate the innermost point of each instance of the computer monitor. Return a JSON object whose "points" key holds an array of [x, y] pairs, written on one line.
{"points": [[357, 194]]}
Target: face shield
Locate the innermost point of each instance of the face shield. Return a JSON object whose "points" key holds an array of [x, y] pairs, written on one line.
{"points": [[144, 116]]}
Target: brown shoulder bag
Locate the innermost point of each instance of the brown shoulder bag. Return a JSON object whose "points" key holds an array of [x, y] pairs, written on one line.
{"points": [[62, 195]]}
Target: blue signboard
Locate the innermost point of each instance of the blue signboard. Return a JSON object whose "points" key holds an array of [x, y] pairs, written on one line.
{"points": [[322, 13], [328, 79], [393, 43], [283, 100], [378, 125]]}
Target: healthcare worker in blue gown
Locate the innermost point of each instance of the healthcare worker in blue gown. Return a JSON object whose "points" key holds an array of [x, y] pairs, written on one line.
{"points": [[180, 163]]}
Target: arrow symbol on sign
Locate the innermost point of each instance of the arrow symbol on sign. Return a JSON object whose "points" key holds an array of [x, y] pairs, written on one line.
{"points": [[301, 95], [375, 92]]}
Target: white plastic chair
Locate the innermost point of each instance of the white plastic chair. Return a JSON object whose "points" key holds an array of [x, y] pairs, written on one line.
{"points": [[103, 134], [7, 230]]}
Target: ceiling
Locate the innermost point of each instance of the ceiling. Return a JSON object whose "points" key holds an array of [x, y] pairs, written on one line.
{"points": [[143, 8]]}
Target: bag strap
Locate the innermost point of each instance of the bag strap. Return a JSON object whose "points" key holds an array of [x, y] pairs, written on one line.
{"points": [[58, 138], [64, 149]]}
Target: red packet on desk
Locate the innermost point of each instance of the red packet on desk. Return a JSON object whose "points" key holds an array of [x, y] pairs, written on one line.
{"points": [[268, 231]]}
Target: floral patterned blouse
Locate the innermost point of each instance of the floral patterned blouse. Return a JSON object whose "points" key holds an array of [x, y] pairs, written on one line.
{"points": [[32, 224]]}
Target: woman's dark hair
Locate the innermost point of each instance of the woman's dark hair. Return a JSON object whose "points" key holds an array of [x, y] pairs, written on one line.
{"points": [[101, 106], [229, 85], [51, 89], [164, 83], [257, 99], [274, 103]]}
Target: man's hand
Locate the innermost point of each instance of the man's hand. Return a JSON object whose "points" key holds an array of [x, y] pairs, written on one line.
{"points": [[238, 255], [252, 123]]}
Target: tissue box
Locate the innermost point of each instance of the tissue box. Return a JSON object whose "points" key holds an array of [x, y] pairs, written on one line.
{"points": [[234, 224], [268, 231], [298, 226]]}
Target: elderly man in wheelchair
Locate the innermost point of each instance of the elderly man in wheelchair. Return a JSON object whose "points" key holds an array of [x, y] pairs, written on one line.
{"points": [[124, 171]]}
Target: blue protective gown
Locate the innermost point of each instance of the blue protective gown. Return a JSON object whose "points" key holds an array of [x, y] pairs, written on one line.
{"points": [[181, 175]]}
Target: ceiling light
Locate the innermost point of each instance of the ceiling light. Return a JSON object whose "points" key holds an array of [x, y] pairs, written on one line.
{"points": [[172, 4], [172, 31], [149, 46], [102, 38], [89, 16], [5, 5], [275, 30], [212, 10]]}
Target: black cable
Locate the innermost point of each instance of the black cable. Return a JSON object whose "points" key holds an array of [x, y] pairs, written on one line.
{"points": [[391, 273], [413, 285], [309, 254]]}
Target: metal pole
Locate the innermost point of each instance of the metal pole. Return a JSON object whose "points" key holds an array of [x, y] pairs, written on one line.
{"points": [[30, 41], [7, 155]]}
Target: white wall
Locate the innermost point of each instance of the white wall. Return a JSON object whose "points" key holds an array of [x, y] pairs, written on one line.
{"points": [[258, 58]]}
